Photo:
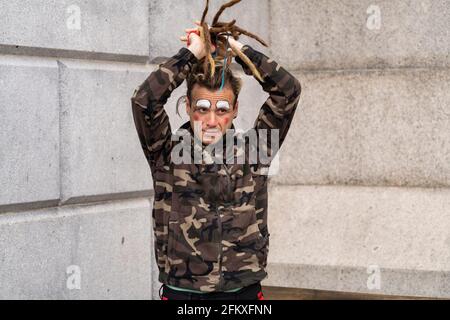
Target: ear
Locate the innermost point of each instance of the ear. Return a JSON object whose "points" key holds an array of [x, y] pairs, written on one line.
{"points": [[236, 109], [188, 106]]}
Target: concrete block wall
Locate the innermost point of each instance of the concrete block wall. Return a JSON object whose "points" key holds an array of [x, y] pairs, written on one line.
{"points": [[75, 199], [367, 184], [361, 202]]}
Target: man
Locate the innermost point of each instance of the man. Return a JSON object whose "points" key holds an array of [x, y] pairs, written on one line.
{"points": [[210, 219]]}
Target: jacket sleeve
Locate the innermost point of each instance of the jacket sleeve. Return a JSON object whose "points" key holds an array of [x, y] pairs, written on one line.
{"points": [[284, 91], [151, 121]]}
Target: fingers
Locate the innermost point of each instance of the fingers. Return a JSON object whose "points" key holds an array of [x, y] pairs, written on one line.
{"points": [[197, 22], [185, 39], [189, 31]]}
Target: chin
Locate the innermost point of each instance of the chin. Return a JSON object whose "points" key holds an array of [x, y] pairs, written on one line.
{"points": [[211, 138], [208, 141]]}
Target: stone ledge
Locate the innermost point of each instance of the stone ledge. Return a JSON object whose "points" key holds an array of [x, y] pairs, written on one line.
{"points": [[342, 279]]}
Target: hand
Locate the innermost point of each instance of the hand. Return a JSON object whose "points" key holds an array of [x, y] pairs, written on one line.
{"points": [[196, 46]]}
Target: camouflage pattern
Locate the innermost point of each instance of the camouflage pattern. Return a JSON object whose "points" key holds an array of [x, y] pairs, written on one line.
{"points": [[209, 220]]}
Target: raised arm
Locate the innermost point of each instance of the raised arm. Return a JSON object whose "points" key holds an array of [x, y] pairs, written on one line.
{"points": [[151, 121]]}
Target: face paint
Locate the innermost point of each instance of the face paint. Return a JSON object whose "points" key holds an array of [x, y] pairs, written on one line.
{"points": [[203, 103], [223, 104], [214, 110]]}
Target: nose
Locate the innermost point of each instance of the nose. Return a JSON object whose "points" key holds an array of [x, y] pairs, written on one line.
{"points": [[212, 120]]}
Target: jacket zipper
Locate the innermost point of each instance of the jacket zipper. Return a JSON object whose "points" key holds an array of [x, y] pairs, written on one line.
{"points": [[219, 220], [229, 181], [220, 249], [220, 223], [220, 229]]}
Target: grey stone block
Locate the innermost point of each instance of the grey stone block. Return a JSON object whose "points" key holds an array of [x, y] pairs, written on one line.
{"points": [[327, 34], [118, 27], [381, 128], [393, 282], [29, 138], [101, 153], [328, 237], [169, 19], [108, 244]]}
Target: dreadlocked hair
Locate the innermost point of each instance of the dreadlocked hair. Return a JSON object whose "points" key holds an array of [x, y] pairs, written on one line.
{"points": [[212, 83], [218, 35], [211, 71]]}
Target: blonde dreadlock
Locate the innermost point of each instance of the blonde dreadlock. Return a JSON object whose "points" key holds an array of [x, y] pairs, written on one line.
{"points": [[217, 35]]}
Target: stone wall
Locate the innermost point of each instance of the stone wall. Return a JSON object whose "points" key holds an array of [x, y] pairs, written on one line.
{"points": [[360, 202]]}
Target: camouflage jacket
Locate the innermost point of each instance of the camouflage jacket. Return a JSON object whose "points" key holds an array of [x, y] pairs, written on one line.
{"points": [[209, 220]]}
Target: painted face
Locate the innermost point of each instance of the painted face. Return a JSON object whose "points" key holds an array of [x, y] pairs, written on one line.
{"points": [[213, 111]]}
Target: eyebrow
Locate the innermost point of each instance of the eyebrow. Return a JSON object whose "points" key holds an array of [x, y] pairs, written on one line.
{"points": [[223, 107], [203, 101], [209, 103]]}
